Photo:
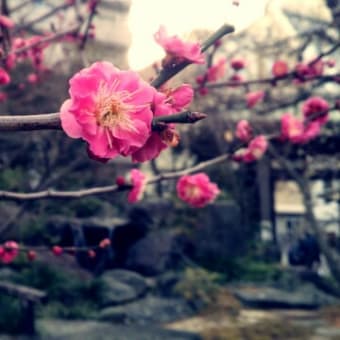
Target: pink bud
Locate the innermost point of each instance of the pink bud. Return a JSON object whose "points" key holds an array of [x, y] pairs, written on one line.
{"points": [[32, 78], [253, 98], [57, 250], [9, 251], [31, 255], [203, 91], [236, 79], [91, 254], [238, 63], [243, 130], [106, 242], [120, 181], [280, 68]]}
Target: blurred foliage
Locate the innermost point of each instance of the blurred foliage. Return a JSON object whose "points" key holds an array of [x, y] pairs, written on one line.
{"points": [[69, 296], [11, 314], [80, 310], [255, 271], [86, 207], [198, 286], [60, 286], [33, 231], [263, 330], [12, 178]]}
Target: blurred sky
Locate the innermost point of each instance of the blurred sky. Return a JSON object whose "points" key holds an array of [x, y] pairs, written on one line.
{"points": [[180, 17]]}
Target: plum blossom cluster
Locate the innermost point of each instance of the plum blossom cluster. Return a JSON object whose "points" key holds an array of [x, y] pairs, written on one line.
{"points": [[302, 130], [218, 70], [303, 71], [197, 190], [256, 146], [10, 250], [18, 46], [112, 110], [255, 149]]}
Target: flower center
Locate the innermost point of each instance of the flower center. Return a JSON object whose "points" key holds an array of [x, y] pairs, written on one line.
{"points": [[112, 110], [193, 191], [111, 114]]}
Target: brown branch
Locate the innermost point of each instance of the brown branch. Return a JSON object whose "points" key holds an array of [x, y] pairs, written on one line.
{"points": [[289, 75], [88, 25], [270, 80], [47, 121], [20, 6], [42, 17], [42, 41], [50, 193], [51, 121]]}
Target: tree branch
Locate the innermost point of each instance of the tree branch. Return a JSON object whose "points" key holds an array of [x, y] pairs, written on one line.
{"points": [[51, 121]]}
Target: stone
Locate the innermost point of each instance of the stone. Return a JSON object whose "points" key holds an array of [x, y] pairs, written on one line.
{"points": [[166, 283], [220, 233], [130, 278], [149, 310], [157, 252], [305, 297], [7, 274], [122, 286], [54, 329]]}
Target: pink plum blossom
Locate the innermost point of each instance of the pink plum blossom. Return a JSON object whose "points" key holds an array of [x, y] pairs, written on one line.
{"points": [[197, 190], [312, 130], [165, 103], [108, 108], [330, 63], [9, 251], [180, 97], [307, 71], [10, 61], [243, 130], [3, 97], [177, 48], [7, 22], [255, 150], [154, 143], [253, 98], [298, 131], [292, 128], [316, 109], [280, 68], [217, 70], [138, 181], [32, 78], [4, 77]]}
